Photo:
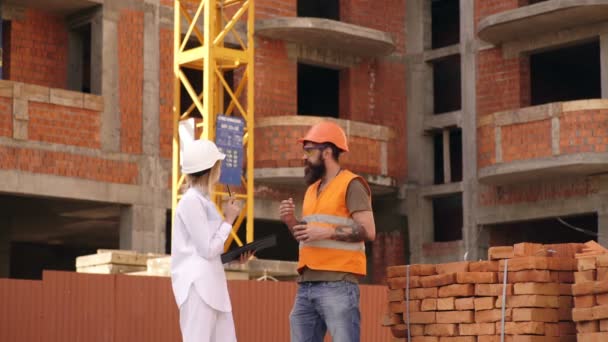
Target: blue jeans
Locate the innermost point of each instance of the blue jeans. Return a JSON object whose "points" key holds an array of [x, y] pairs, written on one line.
{"points": [[322, 306]]}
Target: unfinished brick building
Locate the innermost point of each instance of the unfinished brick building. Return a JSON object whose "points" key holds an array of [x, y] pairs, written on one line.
{"points": [[464, 116]]}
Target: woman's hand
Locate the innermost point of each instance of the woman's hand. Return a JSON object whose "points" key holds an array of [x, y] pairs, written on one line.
{"points": [[247, 256], [232, 209]]}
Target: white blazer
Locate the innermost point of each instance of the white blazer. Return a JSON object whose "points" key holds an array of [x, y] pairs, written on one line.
{"points": [[198, 240]]}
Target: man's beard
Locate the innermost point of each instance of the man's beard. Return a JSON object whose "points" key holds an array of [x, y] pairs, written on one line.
{"points": [[313, 173]]}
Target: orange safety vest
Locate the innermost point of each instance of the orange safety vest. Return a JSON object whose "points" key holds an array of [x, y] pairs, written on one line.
{"points": [[329, 210]]}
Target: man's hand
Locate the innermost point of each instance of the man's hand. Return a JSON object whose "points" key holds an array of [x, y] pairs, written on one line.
{"points": [[287, 211], [306, 233]]}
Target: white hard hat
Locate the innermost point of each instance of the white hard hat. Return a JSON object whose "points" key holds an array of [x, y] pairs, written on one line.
{"points": [[200, 155]]}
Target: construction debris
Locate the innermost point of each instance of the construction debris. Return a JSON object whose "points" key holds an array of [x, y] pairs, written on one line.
{"points": [[523, 292]]}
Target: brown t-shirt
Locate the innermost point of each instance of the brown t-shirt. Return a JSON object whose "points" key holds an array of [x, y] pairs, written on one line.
{"points": [[357, 199]]}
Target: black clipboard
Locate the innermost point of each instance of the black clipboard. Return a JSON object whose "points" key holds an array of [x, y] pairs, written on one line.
{"points": [[258, 245]]}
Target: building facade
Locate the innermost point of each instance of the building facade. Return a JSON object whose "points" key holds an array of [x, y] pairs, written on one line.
{"points": [[476, 123]]}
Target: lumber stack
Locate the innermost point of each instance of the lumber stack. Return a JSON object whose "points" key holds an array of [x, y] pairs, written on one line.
{"points": [[108, 261], [462, 301], [590, 291]]}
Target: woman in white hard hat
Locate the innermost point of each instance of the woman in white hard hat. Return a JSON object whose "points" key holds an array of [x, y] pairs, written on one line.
{"points": [[199, 233]]}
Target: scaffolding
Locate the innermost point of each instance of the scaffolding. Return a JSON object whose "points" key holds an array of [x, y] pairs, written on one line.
{"points": [[213, 43]]}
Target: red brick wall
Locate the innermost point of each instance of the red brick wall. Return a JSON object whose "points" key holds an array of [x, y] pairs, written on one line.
{"points": [[130, 56], [526, 141], [39, 50], [6, 117], [535, 192], [265, 9], [166, 93], [584, 131], [275, 80], [484, 8], [68, 165], [486, 146], [387, 16], [64, 125]]}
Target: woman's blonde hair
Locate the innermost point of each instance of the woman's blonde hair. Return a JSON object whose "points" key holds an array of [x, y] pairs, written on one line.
{"points": [[206, 179]]}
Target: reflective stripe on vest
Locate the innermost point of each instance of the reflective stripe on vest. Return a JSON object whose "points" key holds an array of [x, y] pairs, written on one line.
{"points": [[334, 221]]}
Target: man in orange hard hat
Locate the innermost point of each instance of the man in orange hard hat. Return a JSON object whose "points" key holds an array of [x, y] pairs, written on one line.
{"points": [[337, 220]]}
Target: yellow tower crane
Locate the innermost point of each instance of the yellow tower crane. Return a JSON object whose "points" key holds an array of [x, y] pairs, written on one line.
{"points": [[204, 46]]}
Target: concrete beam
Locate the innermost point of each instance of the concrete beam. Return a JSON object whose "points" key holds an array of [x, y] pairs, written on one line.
{"points": [[25, 183], [540, 18], [325, 33], [525, 211]]}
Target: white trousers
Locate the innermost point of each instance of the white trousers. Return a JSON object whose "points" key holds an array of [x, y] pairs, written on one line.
{"points": [[201, 323]]}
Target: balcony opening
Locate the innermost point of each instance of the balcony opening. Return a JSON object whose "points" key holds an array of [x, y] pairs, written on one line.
{"points": [[5, 38], [529, 2], [447, 147], [445, 23], [326, 9], [318, 91], [446, 85], [447, 218], [60, 231], [546, 231], [566, 74], [79, 58]]}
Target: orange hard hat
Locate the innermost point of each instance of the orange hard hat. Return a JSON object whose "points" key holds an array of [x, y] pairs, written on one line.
{"points": [[327, 132]]}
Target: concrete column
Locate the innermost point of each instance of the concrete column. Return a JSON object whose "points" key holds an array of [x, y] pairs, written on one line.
{"points": [[5, 246], [142, 228], [468, 58], [151, 60], [604, 63], [602, 228], [110, 118], [419, 88]]}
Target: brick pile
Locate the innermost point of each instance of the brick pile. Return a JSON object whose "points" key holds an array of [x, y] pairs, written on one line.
{"points": [[590, 292], [462, 301]]}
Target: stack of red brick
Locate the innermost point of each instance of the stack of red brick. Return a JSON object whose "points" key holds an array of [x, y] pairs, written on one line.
{"points": [[591, 296], [462, 302]]}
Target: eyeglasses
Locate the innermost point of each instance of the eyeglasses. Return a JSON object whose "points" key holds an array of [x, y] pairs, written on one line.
{"points": [[309, 149]]}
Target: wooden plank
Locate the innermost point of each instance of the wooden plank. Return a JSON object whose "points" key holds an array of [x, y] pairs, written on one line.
{"points": [[115, 258], [110, 269]]}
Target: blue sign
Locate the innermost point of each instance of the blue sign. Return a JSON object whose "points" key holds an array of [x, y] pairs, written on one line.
{"points": [[229, 140]]}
